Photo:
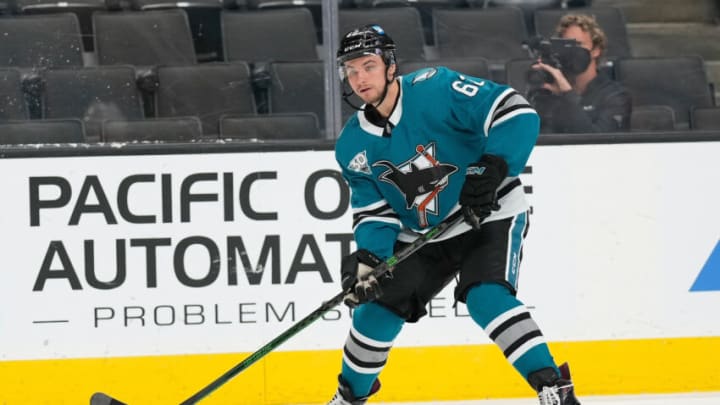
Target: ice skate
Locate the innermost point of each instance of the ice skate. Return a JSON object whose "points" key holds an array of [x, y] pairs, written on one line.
{"points": [[554, 390], [344, 395]]}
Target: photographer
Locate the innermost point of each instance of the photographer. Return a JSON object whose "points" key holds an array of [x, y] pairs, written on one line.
{"points": [[566, 88]]}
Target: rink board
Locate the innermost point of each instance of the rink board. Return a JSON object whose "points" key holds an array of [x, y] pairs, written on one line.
{"points": [[220, 253], [416, 374]]}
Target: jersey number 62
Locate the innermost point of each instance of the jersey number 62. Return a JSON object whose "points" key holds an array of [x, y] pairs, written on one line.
{"points": [[468, 89]]}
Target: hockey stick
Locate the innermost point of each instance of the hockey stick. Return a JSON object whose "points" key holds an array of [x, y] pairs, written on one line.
{"points": [[99, 398], [378, 272]]}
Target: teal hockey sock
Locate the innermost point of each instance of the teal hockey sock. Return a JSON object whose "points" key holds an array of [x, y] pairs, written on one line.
{"points": [[368, 345], [508, 323]]}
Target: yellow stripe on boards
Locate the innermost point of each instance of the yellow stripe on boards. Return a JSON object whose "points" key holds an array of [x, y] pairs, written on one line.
{"points": [[413, 374]]}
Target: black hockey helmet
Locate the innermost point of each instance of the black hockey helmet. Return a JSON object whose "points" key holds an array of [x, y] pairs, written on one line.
{"points": [[366, 40]]}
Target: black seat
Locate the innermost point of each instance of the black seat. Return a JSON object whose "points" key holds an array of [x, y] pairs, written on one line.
{"points": [[182, 129], [412, 3], [41, 131], [297, 87], [610, 19], [83, 9], [93, 95], [679, 82], [424, 8], [40, 41], [207, 91], [667, 11], [516, 74], [652, 118], [12, 98], [204, 20], [577, 3], [402, 24], [149, 38], [314, 6], [477, 67], [297, 126], [528, 7], [706, 118], [496, 34], [260, 36]]}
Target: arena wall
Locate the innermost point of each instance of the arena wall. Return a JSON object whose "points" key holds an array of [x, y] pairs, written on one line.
{"points": [[146, 272]]}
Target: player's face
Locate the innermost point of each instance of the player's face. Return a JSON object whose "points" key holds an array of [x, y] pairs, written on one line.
{"points": [[367, 77]]}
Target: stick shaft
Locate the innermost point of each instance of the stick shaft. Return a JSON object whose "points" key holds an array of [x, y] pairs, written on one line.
{"points": [[379, 271], [267, 348]]}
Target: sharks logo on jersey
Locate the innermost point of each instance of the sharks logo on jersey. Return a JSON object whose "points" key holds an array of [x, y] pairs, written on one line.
{"points": [[420, 179]]}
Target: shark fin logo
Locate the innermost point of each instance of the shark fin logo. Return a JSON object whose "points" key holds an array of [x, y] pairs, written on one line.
{"points": [[424, 75], [420, 180], [709, 277]]}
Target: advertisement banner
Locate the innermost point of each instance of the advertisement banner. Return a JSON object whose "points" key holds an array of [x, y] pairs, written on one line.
{"points": [[214, 253]]}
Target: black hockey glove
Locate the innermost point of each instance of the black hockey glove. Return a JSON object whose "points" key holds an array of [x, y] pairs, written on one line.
{"points": [[357, 278], [478, 197]]}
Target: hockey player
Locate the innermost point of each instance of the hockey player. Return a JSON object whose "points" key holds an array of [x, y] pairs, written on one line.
{"points": [[425, 147]]}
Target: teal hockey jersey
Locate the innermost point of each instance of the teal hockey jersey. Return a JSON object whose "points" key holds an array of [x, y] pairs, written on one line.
{"points": [[406, 177]]}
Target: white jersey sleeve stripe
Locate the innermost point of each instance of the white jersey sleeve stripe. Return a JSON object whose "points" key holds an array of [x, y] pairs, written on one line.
{"points": [[394, 221], [524, 110], [491, 112]]}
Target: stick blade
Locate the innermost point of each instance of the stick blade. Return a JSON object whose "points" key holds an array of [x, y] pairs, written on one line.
{"points": [[99, 398]]}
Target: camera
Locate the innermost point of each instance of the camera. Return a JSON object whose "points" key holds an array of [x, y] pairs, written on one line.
{"points": [[564, 54]]}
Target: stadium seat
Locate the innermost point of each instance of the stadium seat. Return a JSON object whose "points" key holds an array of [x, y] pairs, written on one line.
{"points": [[706, 118], [314, 6], [297, 87], [207, 91], [402, 24], [663, 39], [610, 19], [204, 20], [578, 3], [652, 118], [181, 129], [271, 35], [83, 9], [679, 82], [40, 41], [666, 11], [424, 7], [297, 126], [477, 67], [41, 131], [528, 7], [411, 3], [92, 94], [12, 98], [516, 72], [496, 34], [149, 38]]}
